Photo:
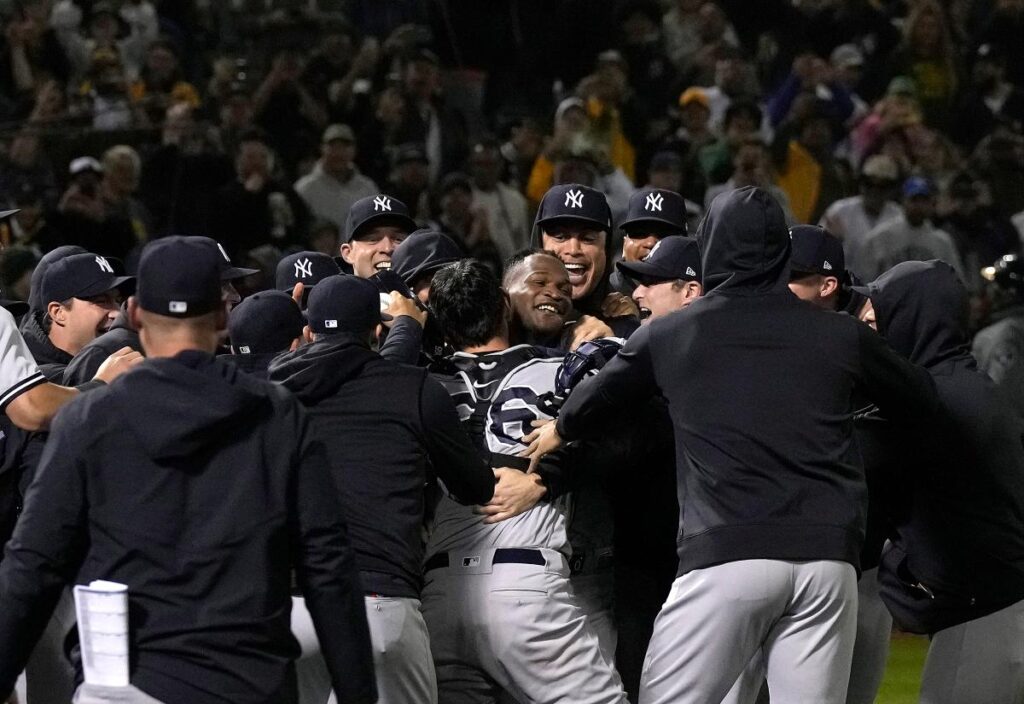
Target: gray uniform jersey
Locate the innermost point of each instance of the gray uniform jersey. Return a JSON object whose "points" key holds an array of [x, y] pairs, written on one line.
{"points": [[513, 382]]}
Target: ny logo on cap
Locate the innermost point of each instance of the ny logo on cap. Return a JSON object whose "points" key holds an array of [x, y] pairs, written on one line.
{"points": [[690, 271], [826, 266], [104, 265], [381, 203], [654, 201], [223, 253], [303, 268], [574, 199]]}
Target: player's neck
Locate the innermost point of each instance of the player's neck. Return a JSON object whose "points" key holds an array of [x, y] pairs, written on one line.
{"points": [[498, 343]]}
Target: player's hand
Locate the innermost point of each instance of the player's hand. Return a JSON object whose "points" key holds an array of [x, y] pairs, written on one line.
{"points": [[542, 441], [588, 328], [117, 364], [297, 292], [616, 305], [400, 305], [515, 492]]}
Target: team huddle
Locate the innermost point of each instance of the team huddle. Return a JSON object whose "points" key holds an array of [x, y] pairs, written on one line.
{"points": [[718, 470]]}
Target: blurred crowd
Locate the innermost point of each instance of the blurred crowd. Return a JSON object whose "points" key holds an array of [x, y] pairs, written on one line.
{"points": [[896, 124]]}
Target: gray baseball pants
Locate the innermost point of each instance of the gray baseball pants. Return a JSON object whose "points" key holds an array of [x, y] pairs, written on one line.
{"points": [[802, 614], [515, 628], [402, 661], [978, 662], [870, 651]]}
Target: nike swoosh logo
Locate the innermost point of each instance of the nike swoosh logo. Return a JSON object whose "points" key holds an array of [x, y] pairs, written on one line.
{"points": [[484, 386]]}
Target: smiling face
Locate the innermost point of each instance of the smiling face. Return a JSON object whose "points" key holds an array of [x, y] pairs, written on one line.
{"points": [[581, 247], [658, 298], [540, 292], [371, 251], [82, 320]]}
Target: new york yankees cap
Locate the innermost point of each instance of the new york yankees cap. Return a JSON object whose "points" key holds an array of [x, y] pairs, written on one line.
{"points": [[815, 250], [228, 271], [266, 321], [179, 277], [673, 257], [377, 210], [307, 268], [35, 291], [657, 209], [573, 202], [80, 276], [343, 304]]}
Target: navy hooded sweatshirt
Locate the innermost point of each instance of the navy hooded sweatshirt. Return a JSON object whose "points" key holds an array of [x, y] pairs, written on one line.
{"points": [[958, 508], [759, 387], [383, 424], [200, 488]]}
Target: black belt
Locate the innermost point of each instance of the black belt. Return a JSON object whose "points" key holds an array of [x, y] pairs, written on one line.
{"points": [[518, 556], [500, 459]]}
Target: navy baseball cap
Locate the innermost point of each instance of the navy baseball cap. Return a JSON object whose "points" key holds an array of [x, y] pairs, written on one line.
{"points": [[815, 250], [228, 271], [657, 207], [673, 257], [377, 210], [343, 304], [80, 276], [573, 202], [917, 186], [307, 268], [267, 321], [424, 252], [179, 277], [35, 291]]}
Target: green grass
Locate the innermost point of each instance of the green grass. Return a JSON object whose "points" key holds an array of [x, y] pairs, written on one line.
{"points": [[902, 681]]}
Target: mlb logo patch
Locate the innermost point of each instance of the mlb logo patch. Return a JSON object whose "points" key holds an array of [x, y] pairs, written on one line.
{"points": [[177, 306], [471, 561], [330, 323]]}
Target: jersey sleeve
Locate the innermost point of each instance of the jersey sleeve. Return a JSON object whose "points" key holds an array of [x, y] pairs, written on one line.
{"points": [[18, 370]]}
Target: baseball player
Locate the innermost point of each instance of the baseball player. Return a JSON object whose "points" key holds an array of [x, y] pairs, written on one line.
{"points": [[263, 326], [955, 568], [760, 416], [382, 424], [375, 226], [201, 514], [652, 214], [306, 268], [999, 347], [497, 600]]}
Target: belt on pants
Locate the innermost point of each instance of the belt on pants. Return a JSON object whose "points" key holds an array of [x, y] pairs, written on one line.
{"points": [[518, 556]]}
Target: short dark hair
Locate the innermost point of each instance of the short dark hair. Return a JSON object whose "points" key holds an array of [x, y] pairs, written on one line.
{"points": [[513, 262], [468, 302]]}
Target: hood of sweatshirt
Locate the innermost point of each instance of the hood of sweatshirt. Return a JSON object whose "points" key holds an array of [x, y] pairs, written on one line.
{"points": [[922, 311], [39, 344], [191, 401], [744, 243], [316, 371]]}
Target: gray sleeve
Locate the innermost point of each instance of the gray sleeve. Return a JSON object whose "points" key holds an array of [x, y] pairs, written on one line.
{"points": [[18, 370]]}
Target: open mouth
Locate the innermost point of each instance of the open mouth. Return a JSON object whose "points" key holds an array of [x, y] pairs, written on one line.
{"points": [[645, 313], [577, 273], [548, 308], [383, 266]]}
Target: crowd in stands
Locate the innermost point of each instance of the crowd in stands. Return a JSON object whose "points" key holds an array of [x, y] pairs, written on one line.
{"points": [[897, 124]]}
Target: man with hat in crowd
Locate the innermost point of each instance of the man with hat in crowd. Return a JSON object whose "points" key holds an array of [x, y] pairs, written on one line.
{"points": [[817, 266], [910, 236], [575, 223], [306, 268], [82, 295], [263, 326], [335, 182], [253, 504], [653, 213], [409, 178], [382, 424], [122, 334], [851, 219], [375, 226], [666, 279]]}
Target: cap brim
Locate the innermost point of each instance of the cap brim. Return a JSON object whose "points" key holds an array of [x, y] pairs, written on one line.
{"points": [[236, 272], [102, 286], [862, 289], [4, 214], [638, 270], [405, 220], [15, 308], [574, 218], [655, 220]]}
